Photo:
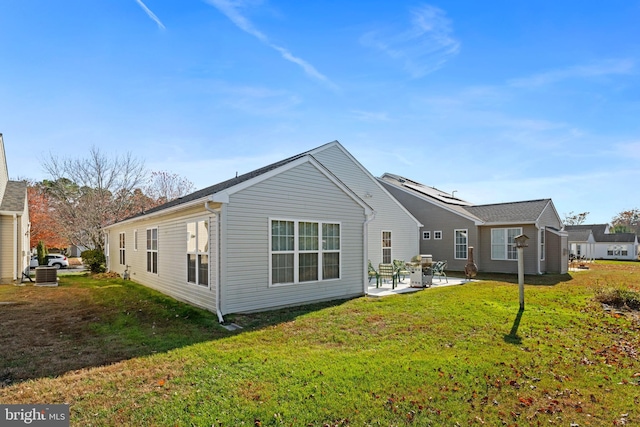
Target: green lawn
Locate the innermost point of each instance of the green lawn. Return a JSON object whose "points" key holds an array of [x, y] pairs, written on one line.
{"points": [[443, 356]]}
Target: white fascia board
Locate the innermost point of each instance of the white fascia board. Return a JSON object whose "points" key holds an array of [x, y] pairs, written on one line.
{"points": [[172, 209], [560, 233], [493, 224], [366, 172]]}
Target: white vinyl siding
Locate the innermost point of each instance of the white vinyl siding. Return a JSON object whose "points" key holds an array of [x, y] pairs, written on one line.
{"points": [[461, 244], [390, 215], [302, 194], [171, 276], [503, 245]]}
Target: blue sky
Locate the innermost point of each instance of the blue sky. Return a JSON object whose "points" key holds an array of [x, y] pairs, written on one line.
{"points": [[499, 100]]}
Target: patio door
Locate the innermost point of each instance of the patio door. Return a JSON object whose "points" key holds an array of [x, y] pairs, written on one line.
{"points": [[386, 247]]}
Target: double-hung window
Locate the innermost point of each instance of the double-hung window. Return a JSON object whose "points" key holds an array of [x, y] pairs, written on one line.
{"points": [[386, 247], [461, 243], [542, 244], [152, 250], [304, 251], [617, 250], [503, 244], [198, 252], [121, 244]]}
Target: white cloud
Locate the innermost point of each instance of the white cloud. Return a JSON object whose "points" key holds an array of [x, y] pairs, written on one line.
{"points": [[422, 48], [151, 14], [232, 8], [604, 68], [370, 116]]}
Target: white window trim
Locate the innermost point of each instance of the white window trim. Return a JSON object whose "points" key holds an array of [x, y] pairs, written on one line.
{"points": [[135, 240], [455, 243], [543, 244], [506, 243], [436, 234], [122, 248], [426, 235], [197, 252], [156, 250], [296, 252], [390, 248]]}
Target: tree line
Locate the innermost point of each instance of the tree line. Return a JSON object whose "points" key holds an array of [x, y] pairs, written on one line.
{"points": [[83, 195], [625, 222]]}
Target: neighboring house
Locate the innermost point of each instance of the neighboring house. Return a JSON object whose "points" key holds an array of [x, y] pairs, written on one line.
{"points": [[595, 241], [452, 225], [14, 224], [294, 232]]}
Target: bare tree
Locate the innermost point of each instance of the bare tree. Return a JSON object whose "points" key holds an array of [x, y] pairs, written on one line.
{"points": [[93, 192], [165, 186], [575, 219]]}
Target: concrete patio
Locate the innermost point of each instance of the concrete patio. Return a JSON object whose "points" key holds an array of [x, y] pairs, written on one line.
{"points": [[404, 286]]}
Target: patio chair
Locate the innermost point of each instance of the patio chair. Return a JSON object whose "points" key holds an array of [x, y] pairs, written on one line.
{"points": [[438, 270], [401, 269], [373, 273], [386, 271]]}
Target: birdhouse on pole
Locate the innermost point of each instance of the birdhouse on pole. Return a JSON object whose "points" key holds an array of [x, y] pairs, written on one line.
{"points": [[521, 241]]}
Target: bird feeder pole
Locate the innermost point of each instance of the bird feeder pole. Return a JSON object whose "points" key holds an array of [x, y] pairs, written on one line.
{"points": [[521, 243]]}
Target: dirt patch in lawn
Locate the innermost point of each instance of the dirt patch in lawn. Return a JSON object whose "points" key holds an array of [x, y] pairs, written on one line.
{"points": [[44, 333], [48, 331]]}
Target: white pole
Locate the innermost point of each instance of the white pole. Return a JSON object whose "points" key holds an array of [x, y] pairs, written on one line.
{"points": [[521, 276]]}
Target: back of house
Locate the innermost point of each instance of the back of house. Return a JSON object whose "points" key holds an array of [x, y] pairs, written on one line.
{"points": [[596, 241], [453, 225], [290, 233]]}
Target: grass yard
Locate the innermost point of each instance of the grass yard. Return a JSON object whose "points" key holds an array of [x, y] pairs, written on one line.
{"points": [[121, 354]]}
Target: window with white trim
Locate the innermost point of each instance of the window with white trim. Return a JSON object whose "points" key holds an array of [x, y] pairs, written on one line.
{"points": [[152, 250], [107, 249], [617, 250], [121, 244], [135, 240], [437, 235], [542, 246], [503, 244], [461, 242], [198, 252], [386, 247], [426, 235], [304, 251]]}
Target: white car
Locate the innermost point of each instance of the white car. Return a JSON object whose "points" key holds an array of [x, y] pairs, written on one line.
{"points": [[53, 260]]}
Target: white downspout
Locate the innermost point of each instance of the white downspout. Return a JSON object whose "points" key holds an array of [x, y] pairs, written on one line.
{"points": [[15, 246], [365, 227], [217, 216]]}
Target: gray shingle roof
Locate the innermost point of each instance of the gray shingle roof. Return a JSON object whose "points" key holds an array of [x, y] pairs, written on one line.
{"points": [[599, 233], [15, 196], [216, 188], [513, 212], [578, 235]]}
